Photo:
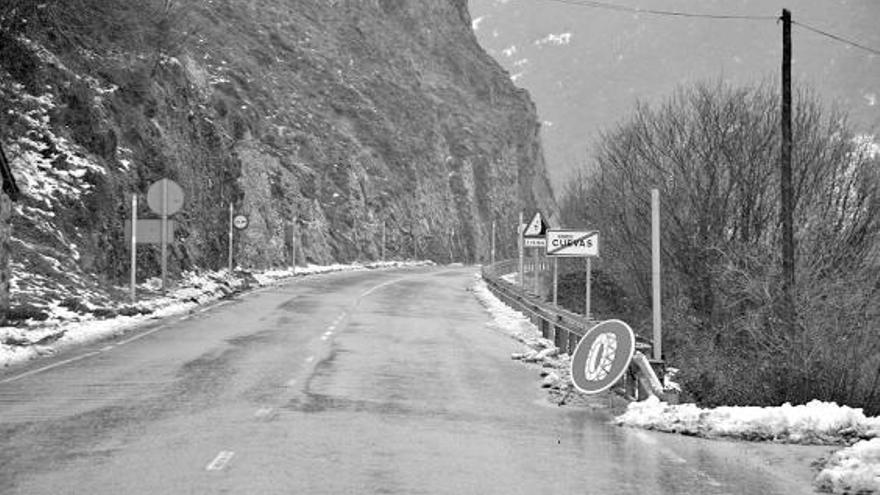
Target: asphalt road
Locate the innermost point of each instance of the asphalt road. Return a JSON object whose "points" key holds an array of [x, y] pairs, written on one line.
{"points": [[358, 382]]}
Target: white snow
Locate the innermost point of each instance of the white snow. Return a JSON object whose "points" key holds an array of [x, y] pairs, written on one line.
{"points": [[814, 422], [65, 328], [854, 469], [555, 39]]}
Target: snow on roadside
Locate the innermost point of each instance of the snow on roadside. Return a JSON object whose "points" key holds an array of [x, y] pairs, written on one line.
{"points": [[854, 470], [539, 350], [65, 328], [813, 423]]}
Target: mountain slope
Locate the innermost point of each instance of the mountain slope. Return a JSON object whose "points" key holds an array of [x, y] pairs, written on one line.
{"points": [[335, 115]]}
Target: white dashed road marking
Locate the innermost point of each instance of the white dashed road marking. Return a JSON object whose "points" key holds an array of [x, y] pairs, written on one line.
{"points": [[220, 461], [263, 412]]}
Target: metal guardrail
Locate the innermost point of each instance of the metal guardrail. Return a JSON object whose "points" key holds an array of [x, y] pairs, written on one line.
{"points": [[564, 328]]}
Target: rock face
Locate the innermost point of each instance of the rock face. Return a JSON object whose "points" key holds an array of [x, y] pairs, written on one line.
{"points": [[335, 117]]}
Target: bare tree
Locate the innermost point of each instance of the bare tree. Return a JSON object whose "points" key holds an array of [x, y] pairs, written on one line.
{"points": [[712, 150]]}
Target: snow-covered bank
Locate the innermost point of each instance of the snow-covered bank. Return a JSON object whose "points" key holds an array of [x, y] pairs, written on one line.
{"points": [[538, 350], [65, 327], [813, 423], [853, 470]]}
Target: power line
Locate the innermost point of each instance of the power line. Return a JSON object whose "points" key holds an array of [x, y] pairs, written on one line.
{"points": [[672, 13], [639, 10], [837, 38]]}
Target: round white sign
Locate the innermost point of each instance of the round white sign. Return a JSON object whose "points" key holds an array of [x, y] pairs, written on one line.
{"points": [[240, 222], [167, 193]]}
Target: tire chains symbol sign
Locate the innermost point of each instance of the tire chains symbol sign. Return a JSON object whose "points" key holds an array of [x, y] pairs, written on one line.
{"points": [[601, 357]]}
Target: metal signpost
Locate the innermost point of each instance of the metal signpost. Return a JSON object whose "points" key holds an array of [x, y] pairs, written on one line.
{"points": [[520, 228], [293, 245], [533, 237], [238, 222], [602, 356], [134, 207], [576, 244], [230, 239], [165, 197]]}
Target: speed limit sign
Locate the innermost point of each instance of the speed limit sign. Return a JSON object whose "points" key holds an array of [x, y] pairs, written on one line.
{"points": [[240, 222]]}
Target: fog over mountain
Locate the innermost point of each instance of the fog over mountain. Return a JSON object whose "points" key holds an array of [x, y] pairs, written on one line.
{"points": [[586, 66]]}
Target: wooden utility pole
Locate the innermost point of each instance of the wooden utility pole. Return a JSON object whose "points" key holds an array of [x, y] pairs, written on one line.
{"points": [[786, 210], [655, 274]]}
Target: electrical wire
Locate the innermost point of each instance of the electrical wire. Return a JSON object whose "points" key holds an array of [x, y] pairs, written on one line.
{"points": [[836, 37], [672, 13]]}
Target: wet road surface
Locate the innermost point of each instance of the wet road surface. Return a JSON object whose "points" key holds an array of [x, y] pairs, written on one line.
{"points": [[358, 382]]}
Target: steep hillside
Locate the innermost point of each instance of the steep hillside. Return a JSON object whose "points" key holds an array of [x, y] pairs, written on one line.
{"points": [[338, 115]]}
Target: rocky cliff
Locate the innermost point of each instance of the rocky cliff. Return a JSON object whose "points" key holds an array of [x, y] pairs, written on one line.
{"points": [[335, 117]]}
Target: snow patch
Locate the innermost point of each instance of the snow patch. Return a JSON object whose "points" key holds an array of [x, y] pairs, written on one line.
{"points": [[554, 39], [813, 423], [854, 469]]}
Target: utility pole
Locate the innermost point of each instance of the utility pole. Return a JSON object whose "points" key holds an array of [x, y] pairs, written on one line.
{"points": [[786, 210]]}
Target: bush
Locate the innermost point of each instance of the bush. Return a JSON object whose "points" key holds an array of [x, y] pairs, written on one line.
{"points": [[713, 152]]}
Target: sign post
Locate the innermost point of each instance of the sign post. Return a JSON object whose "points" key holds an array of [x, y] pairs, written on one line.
{"points": [[133, 270], [555, 281], [519, 237], [383, 240], [164, 197], [293, 245], [533, 237], [574, 243], [589, 277], [164, 234], [230, 238], [238, 222]]}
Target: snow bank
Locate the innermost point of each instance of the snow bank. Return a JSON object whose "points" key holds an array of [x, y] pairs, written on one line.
{"points": [[814, 423], [854, 469], [504, 318], [538, 350], [64, 327]]}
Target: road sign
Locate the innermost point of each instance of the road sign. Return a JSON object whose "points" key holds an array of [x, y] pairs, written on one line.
{"points": [[240, 222], [149, 231], [536, 227], [534, 242], [173, 196], [573, 243], [602, 356]]}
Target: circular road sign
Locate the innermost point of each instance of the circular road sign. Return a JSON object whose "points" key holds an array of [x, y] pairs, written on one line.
{"points": [[602, 356], [240, 222], [173, 196]]}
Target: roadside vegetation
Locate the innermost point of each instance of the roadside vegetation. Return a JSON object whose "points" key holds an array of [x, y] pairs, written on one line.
{"points": [[713, 152]]}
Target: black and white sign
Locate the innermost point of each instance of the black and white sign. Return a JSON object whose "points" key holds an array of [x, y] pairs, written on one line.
{"points": [[602, 356], [240, 222], [575, 243]]}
